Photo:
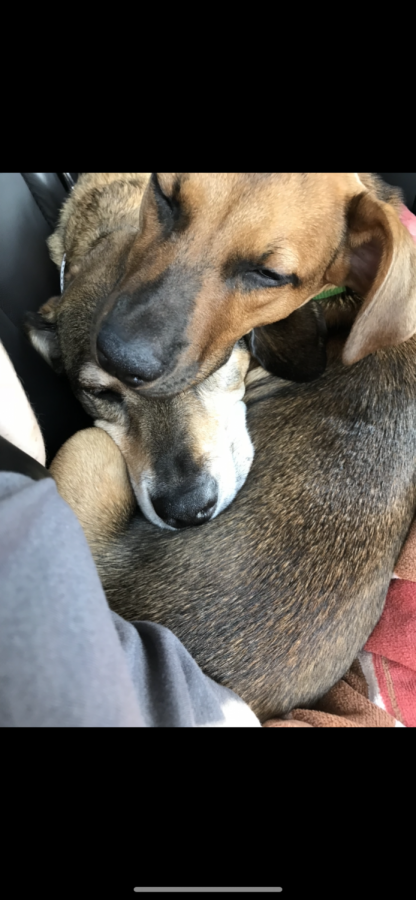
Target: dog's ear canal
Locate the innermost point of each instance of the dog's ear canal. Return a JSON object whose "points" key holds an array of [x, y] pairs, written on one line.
{"points": [[378, 261], [293, 348], [41, 330]]}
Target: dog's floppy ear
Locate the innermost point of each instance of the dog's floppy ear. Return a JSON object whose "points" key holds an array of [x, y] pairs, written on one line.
{"points": [[293, 348], [378, 260], [41, 330]]}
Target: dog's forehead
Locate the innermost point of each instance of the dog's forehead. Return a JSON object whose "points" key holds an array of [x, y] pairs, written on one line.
{"points": [[218, 193], [223, 188], [250, 211]]}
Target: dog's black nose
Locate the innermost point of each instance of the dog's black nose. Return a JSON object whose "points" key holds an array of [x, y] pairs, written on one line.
{"points": [[132, 361], [182, 507]]}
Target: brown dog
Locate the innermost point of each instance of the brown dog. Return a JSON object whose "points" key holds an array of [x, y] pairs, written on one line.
{"points": [[175, 268], [276, 596]]}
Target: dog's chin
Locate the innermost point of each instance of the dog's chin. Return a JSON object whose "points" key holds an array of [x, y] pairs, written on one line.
{"points": [[142, 494]]}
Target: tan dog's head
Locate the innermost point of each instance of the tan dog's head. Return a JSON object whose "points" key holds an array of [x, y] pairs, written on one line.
{"points": [[175, 268], [187, 456]]}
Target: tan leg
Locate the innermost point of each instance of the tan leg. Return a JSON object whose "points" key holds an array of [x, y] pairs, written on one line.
{"points": [[91, 475]]}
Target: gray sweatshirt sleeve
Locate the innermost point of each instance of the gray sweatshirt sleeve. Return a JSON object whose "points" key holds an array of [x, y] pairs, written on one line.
{"points": [[66, 660]]}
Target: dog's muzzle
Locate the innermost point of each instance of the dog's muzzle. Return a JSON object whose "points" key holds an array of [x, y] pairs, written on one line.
{"points": [[182, 507]]}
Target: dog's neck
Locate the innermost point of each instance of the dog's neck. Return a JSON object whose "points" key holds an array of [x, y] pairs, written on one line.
{"points": [[340, 312]]}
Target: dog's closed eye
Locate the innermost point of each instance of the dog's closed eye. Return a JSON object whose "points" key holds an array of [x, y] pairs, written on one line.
{"points": [[170, 211], [101, 394], [262, 278], [254, 275], [161, 197]]}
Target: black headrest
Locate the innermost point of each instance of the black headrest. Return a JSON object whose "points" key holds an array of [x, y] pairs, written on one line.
{"points": [[29, 210]]}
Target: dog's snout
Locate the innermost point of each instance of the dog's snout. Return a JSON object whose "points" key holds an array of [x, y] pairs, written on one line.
{"points": [[144, 334], [132, 361], [188, 505]]}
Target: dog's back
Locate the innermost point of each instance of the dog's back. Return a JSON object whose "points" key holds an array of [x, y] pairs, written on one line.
{"points": [[276, 596]]}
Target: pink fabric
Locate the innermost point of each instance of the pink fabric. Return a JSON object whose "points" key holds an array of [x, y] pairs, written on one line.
{"points": [[393, 641], [393, 648], [409, 220]]}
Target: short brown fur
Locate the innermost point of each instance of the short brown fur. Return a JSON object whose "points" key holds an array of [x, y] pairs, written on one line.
{"points": [[325, 229], [276, 596]]}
